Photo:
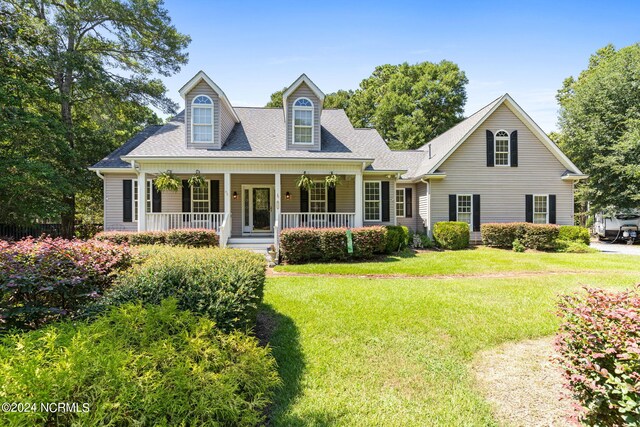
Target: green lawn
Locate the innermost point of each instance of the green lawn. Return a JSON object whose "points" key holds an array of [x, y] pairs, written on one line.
{"points": [[365, 352], [480, 260]]}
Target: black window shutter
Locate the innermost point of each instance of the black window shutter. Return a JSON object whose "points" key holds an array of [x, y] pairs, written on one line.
{"points": [[127, 200], [186, 196], [528, 207], [304, 200], [156, 197], [514, 149], [476, 212], [214, 195], [408, 202], [331, 199], [385, 201], [453, 207], [490, 149], [552, 208]]}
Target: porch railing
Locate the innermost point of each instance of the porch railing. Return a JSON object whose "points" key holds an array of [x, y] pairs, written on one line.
{"points": [[317, 220], [170, 221]]}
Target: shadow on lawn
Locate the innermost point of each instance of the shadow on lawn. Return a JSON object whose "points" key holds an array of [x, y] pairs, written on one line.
{"points": [[281, 333]]}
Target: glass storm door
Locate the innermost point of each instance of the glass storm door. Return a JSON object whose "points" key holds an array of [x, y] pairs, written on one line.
{"points": [[261, 209]]}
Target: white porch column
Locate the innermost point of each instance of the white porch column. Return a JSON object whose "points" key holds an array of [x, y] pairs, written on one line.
{"points": [[359, 201], [142, 201], [227, 193], [278, 192]]}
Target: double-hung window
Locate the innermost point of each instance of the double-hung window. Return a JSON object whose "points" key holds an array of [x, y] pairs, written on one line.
{"points": [[372, 203], [540, 209], [465, 211], [318, 197], [135, 200], [200, 198], [502, 148], [149, 195], [400, 200], [303, 121], [202, 119]]}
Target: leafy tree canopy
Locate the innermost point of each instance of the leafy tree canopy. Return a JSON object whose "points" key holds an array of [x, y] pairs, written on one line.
{"points": [[600, 126], [339, 99]]}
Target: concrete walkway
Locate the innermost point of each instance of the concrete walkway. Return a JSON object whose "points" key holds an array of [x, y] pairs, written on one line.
{"points": [[616, 248]]}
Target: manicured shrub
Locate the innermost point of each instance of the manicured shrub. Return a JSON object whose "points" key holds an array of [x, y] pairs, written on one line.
{"points": [[191, 237], [300, 245], [138, 366], [46, 279], [574, 233], [451, 235], [599, 351], [540, 236], [573, 247], [225, 285], [518, 246], [501, 235], [397, 238]]}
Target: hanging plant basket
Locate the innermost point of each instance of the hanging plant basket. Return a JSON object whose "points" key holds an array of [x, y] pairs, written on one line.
{"points": [[331, 180], [305, 182], [196, 180], [167, 181]]}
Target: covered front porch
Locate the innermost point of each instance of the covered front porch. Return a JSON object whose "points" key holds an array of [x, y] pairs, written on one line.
{"points": [[251, 205]]}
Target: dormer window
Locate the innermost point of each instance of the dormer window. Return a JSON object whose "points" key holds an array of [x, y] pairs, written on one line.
{"points": [[502, 148], [303, 121], [202, 119]]}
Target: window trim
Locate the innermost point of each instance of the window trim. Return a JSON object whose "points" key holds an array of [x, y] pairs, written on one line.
{"points": [[364, 201], [470, 196], [208, 181], [533, 200], [495, 148], [149, 196], [326, 197], [293, 121], [404, 202], [211, 108], [134, 200]]}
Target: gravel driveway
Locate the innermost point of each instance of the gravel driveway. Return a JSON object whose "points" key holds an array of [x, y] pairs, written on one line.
{"points": [[616, 248]]}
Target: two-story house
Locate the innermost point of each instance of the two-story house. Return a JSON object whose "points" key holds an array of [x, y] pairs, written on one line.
{"points": [[495, 166]]}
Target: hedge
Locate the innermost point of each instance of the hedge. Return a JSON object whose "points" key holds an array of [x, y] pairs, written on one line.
{"points": [[531, 236], [138, 366], [225, 285], [192, 237], [42, 280], [451, 235], [599, 348], [574, 233], [397, 238], [301, 245]]}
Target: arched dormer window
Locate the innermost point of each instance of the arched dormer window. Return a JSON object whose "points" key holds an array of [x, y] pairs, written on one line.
{"points": [[502, 148], [303, 121], [202, 119]]}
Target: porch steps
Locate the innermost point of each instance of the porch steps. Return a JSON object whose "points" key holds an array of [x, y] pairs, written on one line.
{"points": [[254, 244]]}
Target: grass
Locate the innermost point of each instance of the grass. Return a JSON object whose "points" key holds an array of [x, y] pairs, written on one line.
{"points": [[480, 260], [396, 351]]}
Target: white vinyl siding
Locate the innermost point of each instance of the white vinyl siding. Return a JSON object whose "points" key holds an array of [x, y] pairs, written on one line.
{"points": [[465, 208], [400, 208], [540, 209], [313, 143], [372, 201]]}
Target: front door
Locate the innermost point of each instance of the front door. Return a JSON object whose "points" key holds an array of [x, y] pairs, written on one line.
{"points": [[257, 209]]}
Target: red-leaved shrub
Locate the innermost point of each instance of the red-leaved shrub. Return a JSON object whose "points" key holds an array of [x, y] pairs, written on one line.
{"points": [[599, 351], [300, 245], [46, 279]]}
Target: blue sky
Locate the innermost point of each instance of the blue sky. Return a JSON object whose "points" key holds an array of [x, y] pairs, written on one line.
{"points": [[253, 48]]}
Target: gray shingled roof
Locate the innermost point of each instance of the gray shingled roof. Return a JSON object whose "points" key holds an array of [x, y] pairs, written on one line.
{"points": [[113, 160], [261, 134]]}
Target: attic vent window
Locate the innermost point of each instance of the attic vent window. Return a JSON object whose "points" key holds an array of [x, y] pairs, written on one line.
{"points": [[303, 121], [202, 119]]}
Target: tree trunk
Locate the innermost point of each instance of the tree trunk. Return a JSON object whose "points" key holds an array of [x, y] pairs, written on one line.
{"points": [[66, 92], [68, 217]]}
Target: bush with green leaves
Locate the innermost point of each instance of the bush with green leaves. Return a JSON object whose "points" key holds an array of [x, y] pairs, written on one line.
{"points": [[574, 233], [501, 234], [452, 235], [138, 365], [397, 238], [225, 285], [518, 246], [531, 236], [599, 352], [540, 236], [191, 237], [572, 247]]}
